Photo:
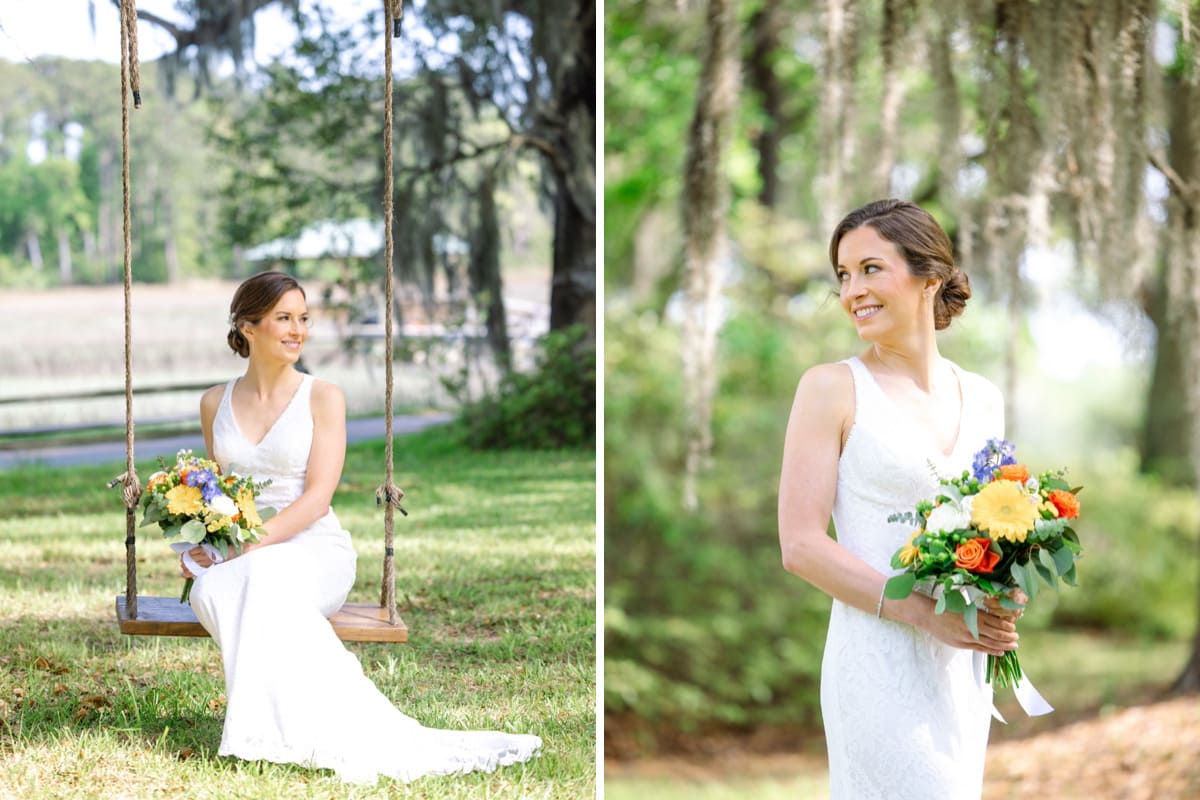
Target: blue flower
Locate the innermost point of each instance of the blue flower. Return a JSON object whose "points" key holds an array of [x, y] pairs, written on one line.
{"points": [[996, 453], [207, 481], [209, 490]]}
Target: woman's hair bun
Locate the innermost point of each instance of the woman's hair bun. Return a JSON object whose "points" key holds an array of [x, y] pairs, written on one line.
{"points": [[951, 299]]}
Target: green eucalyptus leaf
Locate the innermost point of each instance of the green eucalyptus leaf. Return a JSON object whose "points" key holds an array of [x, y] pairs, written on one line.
{"points": [[1064, 559], [1009, 603], [955, 602], [899, 586], [193, 531], [971, 616], [1030, 584], [1018, 574]]}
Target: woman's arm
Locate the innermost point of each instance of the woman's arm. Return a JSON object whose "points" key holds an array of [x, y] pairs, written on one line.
{"points": [[325, 462], [822, 413], [209, 402]]}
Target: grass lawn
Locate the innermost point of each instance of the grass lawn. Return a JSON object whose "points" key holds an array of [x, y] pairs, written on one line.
{"points": [[495, 577]]}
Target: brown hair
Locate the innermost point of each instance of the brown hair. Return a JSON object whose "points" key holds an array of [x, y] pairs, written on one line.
{"points": [[925, 247], [257, 295]]}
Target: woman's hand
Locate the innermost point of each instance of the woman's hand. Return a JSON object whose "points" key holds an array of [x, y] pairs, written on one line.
{"points": [[201, 557], [997, 634], [1010, 614]]}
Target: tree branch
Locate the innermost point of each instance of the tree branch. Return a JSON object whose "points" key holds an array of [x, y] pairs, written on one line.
{"points": [[1184, 189], [196, 35]]}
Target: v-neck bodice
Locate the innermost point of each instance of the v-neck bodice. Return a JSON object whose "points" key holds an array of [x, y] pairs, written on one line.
{"points": [[866, 381], [281, 455], [887, 467]]}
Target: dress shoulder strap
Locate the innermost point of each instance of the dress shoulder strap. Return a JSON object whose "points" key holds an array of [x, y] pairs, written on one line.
{"points": [[867, 392]]}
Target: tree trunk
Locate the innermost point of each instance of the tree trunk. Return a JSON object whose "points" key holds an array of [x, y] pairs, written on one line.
{"points": [[170, 252], [486, 285], [705, 200], [573, 288], [1183, 277], [839, 69], [892, 49], [34, 248], [761, 76], [105, 216], [65, 272], [1167, 425]]}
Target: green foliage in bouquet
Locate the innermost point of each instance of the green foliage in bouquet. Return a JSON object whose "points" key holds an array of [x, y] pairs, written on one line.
{"points": [[986, 534], [194, 504]]}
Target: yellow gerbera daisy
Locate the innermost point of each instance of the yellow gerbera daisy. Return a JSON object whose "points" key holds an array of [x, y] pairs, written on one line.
{"points": [[249, 509], [184, 500], [909, 552], [1004, 510]]}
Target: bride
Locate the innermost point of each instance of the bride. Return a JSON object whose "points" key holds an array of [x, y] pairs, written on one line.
{"points": [[294, 693], [905, 710]]}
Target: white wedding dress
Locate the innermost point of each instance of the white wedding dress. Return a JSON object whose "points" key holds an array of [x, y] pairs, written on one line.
{"points": [[906, 717], [294, 693]]}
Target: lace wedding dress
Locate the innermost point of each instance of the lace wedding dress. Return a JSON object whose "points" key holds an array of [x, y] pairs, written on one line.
{"points": [[294, 693], [905, 715]]}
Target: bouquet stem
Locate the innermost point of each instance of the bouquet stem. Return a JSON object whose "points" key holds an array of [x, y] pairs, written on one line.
{"points": [[187, 592], [1004, 671]]}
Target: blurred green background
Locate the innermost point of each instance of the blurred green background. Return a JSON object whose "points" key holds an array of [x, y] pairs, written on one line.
{"points": [[1062, 191]]}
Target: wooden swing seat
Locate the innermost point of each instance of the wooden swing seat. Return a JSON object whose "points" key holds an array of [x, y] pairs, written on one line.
{"points": [[166, 616]]}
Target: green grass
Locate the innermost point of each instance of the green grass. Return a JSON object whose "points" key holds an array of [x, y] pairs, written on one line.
{"points": [[495, 575]]}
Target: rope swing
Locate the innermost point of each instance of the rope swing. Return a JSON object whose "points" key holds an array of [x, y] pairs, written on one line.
{"points": [[166, 616], [389, 493]]}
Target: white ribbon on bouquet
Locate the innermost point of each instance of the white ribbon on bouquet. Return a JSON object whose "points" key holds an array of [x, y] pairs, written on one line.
{"points": [[183, 547], [1029, 698]]}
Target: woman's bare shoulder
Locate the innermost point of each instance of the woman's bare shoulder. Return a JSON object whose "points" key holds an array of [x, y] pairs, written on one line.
{"points": [[211, 398], [327, 396], [831, 382]]}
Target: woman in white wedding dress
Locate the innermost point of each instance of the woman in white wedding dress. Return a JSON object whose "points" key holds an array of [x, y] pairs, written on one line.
{"points": [[294, 693], [905, 711]]}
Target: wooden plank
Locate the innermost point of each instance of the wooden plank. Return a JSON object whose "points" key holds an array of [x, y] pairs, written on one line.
{"points": [[166, 616]]}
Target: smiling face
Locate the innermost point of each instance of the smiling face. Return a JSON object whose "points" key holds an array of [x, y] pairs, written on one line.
{"points": [[881, 295], [281, 333]]}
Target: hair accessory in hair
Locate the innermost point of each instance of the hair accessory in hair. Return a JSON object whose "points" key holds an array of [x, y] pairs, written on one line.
{"points": [[233, 322]]}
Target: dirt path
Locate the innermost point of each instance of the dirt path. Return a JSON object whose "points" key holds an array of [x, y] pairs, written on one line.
{"points": [[1149, 752]]}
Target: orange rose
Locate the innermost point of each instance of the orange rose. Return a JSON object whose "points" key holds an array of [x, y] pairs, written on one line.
{"points": [[976, 555], [1066, 503], [1016, 473]]}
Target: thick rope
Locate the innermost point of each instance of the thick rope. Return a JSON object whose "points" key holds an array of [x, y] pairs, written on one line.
{"points": [[129, 20], [129, 479], [388, 490]]}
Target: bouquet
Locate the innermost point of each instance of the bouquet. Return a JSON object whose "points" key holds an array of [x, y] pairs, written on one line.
{"points": [[985, 533], [195, 504]]}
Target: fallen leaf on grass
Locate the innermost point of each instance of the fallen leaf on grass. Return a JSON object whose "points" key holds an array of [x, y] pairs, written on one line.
{"points": [[186, 753], [42, 663]]}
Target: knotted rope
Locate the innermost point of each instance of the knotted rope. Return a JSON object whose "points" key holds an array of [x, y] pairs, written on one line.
{"points": [[393, 12], [129, 478], [129, 26]]}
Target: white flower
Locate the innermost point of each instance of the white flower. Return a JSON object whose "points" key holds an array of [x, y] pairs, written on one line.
{"points": [[223, 505], [949, 517]]}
